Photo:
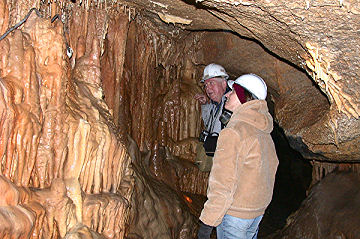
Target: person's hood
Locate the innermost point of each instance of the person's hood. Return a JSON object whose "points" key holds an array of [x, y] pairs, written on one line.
{"points": [[255, 113]]}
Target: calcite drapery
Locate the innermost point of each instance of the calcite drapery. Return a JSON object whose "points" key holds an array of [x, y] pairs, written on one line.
{"points": [[57, 131], [161, 207], [157, 101], [80, 166]]}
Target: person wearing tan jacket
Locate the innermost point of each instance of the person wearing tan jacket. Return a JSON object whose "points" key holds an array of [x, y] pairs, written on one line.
{"points": [[242, 177]]}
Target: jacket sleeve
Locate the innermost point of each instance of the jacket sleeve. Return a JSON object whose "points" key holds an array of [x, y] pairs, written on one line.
{"points": [[223, 178]]}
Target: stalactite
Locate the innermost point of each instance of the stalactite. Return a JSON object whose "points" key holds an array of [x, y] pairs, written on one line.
{"points": [[20, 116], [58, 135], [169, 114], [321, 169], [355, 168], [18, 10], [108, 145], [52, 70], [112, 66], [4, 16]]}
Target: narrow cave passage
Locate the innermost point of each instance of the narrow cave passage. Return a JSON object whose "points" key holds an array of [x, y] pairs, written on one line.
{"points": [[294, 174], [241, 56], [293, 179]]}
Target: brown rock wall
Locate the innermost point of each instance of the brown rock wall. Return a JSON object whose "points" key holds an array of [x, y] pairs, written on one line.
{"points": [[57, 135], [162, 211], [64, 140], [328, 212]]}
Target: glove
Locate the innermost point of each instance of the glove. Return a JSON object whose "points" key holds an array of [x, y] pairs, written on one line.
{"points": [[204, 231]]}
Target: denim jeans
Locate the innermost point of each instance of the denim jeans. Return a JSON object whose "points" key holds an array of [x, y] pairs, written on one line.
{"points": [[238, 228]]}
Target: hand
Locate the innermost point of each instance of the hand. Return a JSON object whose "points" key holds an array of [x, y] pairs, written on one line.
{"points": [[204, 231], [203, 99]]}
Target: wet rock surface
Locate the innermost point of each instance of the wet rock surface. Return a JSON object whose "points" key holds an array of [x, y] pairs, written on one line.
{"points": [[67, 167]]}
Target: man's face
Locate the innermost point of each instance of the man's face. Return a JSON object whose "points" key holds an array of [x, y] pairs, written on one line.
{"points": [[215, 88]]}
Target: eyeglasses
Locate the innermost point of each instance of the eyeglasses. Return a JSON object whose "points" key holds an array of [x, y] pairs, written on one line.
{"points": [[209, 83]]}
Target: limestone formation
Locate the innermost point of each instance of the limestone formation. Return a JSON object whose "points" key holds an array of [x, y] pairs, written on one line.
{"points": [[56, 126], [322, 214], [98, 124]]}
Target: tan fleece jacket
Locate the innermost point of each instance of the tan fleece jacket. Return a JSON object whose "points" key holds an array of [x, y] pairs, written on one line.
{"points": [[242, 177]]}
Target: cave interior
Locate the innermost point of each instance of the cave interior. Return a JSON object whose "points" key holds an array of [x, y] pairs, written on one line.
{"points": [[99, 125]]}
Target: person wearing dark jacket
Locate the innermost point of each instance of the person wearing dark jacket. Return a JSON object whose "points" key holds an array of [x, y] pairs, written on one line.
{"points": [[242, 176]]}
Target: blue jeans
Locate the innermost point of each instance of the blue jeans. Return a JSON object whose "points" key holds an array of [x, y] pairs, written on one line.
{"points": [[237, 228]]}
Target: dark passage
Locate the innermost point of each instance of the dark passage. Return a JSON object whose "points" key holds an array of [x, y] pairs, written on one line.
{"points": [[293, 178]]}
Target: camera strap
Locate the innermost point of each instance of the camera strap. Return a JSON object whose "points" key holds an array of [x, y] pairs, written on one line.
{"points": [[214, 115]]}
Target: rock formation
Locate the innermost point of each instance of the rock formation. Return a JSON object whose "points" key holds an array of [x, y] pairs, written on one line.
{"points": [[98, 124], [328, 212]]}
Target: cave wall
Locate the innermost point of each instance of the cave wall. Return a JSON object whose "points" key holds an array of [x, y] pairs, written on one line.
{"points": [[156, 104], [65, 160], [328, 211], [66, 113], [56, 138], [318, 37]]}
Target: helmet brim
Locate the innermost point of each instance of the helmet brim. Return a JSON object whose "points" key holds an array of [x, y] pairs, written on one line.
{"points": [[230, 83], [210, 77]]}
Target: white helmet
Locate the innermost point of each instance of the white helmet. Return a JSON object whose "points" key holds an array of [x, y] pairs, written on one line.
{"points": [[214, 70], [252, 83]]}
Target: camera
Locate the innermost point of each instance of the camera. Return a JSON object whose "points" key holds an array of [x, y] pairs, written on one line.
{"points": [[203, 135], [225, 116]]}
